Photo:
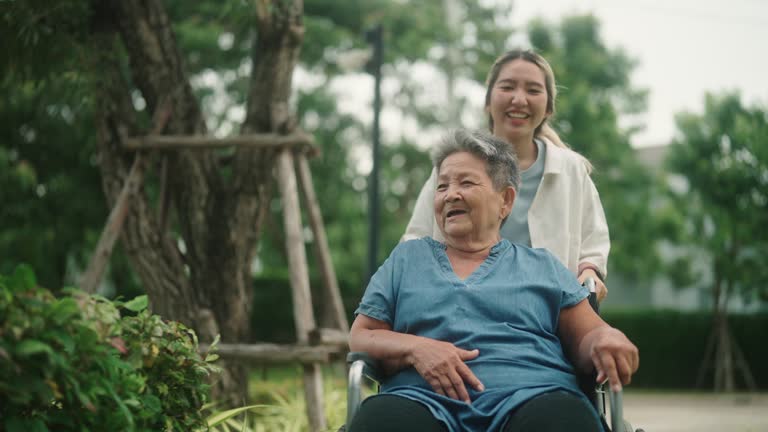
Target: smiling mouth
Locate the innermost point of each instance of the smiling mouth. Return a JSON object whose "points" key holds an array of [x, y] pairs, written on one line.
{"points": [[457, 212], [517, 115]]}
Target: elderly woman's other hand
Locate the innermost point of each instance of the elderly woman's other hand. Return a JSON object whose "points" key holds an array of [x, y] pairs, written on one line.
{"points": [[614, 356], [443, 366], [594, 345]]}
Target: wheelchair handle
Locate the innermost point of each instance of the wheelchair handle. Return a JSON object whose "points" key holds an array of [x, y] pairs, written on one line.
{"points": [[589, 284], [617, 414]]}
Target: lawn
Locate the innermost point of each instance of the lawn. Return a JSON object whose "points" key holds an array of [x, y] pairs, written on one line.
{"points": [[278, 392]]}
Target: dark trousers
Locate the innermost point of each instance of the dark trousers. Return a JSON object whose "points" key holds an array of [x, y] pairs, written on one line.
{"points": [[550, 412]]}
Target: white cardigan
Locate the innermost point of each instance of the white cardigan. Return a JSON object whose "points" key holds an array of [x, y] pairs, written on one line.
{"points": [[566, 216]]}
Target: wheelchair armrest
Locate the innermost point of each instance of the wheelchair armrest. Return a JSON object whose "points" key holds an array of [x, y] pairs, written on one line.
{"points": [[360, 364], [371, 367]]}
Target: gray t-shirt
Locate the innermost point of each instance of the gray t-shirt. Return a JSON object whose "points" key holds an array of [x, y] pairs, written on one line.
{"points": [[515, 229]]}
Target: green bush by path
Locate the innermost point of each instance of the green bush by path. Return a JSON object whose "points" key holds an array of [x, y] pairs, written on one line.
{"points": [[672, 345], [75, 364]]}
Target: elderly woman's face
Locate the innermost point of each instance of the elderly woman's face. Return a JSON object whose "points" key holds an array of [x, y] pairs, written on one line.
{"points": [[466, 204]]}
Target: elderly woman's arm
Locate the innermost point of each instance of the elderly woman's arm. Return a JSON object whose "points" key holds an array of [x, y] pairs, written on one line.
{"points": [[593, 344], [441, 364]]}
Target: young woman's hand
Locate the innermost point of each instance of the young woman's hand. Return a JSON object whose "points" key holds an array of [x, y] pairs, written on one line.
{"points": [[600, 287]]}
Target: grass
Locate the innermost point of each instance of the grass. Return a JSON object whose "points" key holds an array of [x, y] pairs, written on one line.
{"points": [[278, 397]]}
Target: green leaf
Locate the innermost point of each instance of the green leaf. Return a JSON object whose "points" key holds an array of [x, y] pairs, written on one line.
{"points": [[138, 304], [16, 424], [64, 310], [31, 347], [153, 404], [218, 418], [23, 278]]}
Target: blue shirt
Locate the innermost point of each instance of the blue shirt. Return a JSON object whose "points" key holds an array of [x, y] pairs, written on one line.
{"points": [[508, 309]]}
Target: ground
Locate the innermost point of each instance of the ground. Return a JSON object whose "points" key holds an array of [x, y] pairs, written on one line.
{"points": [[700, 412]]}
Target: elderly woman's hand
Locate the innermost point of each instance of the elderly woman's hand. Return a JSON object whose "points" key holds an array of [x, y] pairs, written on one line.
{"points": [[442, 365], [614, 357]]}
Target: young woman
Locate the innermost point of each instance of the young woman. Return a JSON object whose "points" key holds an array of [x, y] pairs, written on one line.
{"points": [[558, 207]]}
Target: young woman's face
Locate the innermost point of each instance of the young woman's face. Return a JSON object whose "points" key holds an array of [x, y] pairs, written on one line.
{"points": [[518, 103]]}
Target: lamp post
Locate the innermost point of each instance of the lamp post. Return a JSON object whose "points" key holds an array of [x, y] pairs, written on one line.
{"points": [[374, 37]]}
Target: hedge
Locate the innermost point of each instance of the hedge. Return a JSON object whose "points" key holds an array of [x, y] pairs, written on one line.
{"points": [[672, 345]]}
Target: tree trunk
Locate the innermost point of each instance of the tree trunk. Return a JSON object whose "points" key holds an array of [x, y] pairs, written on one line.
{"points": [[207, 285], [719, 351]]}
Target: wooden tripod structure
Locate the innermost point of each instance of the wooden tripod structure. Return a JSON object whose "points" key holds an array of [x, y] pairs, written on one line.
{"points": [[314, 345]]}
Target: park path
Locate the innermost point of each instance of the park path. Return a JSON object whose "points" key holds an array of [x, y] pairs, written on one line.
{"points": [[699, 412]]}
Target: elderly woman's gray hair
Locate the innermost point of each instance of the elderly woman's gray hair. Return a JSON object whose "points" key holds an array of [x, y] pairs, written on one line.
{"points": [[499, 156]]}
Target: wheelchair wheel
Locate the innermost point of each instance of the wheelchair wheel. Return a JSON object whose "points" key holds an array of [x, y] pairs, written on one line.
{"points": [[627, 426]]}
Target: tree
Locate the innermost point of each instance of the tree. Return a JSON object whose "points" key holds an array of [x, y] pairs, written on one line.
{"points": [[595, 90], [129, 54], [722, 156], [221, 68], [135, 60]]}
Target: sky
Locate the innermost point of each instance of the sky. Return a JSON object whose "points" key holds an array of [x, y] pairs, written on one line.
{"points": [[684, 48]]}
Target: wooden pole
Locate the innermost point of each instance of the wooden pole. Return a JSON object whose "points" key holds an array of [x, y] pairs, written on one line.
{"points": [[330, 282], [742, 364], [326, 336], [262, 353], [303, 315], [90, 280]]}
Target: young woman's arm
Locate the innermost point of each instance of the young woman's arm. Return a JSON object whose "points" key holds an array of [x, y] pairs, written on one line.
{"points": [[595, 240], [422, 223]]}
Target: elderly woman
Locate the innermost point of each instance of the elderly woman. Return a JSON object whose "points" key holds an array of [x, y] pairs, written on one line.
{"points": [[477, 332]]}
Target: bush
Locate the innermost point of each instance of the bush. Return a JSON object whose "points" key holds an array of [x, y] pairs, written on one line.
{"points": [[672, 345], [74, 363]]}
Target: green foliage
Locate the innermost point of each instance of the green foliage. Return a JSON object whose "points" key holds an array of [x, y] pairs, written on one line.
{"points": [[49, 185], [282, 390], [42, 33], [73, 363], [594, 90], [281, 405], [672, 345], [722, 160], [56, 232]]}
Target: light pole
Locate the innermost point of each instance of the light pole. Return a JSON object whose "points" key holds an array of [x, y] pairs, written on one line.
{"points": [[374, 37]]}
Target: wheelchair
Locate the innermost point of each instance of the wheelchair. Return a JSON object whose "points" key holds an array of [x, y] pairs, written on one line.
{"points": [[362, 365]]}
